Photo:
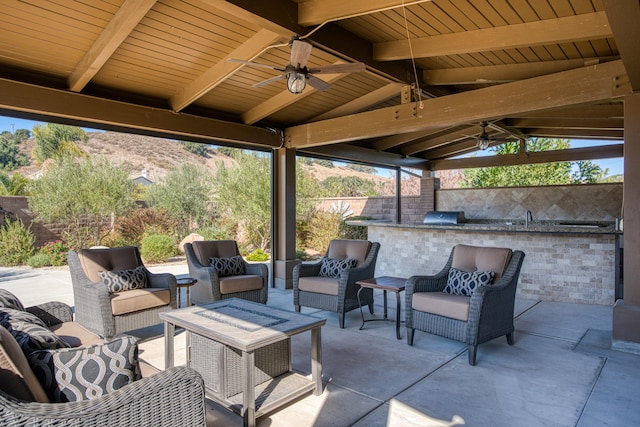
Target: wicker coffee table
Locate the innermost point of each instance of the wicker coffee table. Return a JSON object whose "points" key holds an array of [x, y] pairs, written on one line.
{"points": [[242, 349]]}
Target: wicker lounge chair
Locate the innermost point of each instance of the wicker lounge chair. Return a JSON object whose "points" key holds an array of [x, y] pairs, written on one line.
{"points": [[212, 282], [108, 314], [339, 293], [483, 316], [174, 397]]}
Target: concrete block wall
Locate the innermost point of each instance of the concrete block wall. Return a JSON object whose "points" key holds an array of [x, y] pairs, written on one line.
{"points": [[19, 206], [575, 268]]}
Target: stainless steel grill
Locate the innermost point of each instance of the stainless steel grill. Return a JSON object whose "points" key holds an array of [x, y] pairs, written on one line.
{"points": [[444, 218]]}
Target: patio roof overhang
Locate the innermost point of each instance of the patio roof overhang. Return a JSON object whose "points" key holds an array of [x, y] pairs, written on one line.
{"points": [[434, 71]]}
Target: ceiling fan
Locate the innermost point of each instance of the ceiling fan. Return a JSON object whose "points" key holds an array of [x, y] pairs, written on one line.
{"points": [[296, 72], [483, 140]]}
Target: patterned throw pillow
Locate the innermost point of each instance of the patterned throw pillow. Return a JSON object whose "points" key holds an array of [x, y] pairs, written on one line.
{"points": [[9, 300], [232, 266], [29, 331], [124, 280], [89, 372], [462, 283], [334, 267]]}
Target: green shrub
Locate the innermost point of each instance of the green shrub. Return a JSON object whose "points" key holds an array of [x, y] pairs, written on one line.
{"points": [[56, 252], [16, 243], [218, 231], [133, 227], [322, 228], [258, 255], [38, 260], [358, 232], [157, 248]]}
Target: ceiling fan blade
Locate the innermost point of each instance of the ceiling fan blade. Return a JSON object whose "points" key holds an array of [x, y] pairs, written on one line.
{"points": [[255, 64], [300, 52], [317, 83], [268, 81], [353, 67]]}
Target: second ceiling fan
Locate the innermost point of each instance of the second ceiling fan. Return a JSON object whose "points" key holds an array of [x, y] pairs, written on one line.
{"points": [[296, 72], [483, 140]]}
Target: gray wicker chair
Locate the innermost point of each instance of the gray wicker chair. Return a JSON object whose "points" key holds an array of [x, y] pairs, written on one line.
{"points": [[174, 397], [211, 286], [93, 307], [310, 290], [489, 310]]}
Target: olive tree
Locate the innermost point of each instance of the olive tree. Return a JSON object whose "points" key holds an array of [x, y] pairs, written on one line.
{"points": [[184, 195], [83, 196]]}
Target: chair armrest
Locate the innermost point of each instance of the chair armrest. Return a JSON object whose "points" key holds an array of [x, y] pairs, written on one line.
{"points": [[52, 313], [174, 397], [162, 280], [308, 269], [257, 269]]}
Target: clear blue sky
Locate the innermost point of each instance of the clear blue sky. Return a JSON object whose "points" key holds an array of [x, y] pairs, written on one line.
{"points": [[615, 166]]}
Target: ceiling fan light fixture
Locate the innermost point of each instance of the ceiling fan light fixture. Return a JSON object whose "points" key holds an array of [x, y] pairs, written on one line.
{"points": [[296, 82], [483, 143]]}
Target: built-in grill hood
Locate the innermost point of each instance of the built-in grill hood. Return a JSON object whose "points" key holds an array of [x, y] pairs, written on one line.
{"points": [[443, 218]]}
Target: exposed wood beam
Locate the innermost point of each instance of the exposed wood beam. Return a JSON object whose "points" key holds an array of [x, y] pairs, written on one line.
{"points": [[610, 110], [568, 155], [362, 103], [223, 69], [361, 154], [502, 73], [283, 99], [624, 16], [567, 123], [429, 144], [575, 133], [573, 87], [116, 31], [37, 100], [314, 12], [402, 138], [569, 29]]}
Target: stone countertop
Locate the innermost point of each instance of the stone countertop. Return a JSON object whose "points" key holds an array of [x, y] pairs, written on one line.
{"points": [[509, 226]]}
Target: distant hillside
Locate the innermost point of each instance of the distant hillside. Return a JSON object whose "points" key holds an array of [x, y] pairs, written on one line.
{"points": [[157, 156]]}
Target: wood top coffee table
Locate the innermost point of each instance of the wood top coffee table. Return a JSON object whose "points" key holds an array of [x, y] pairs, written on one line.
{"points": [[242, 350], [386, 283]]}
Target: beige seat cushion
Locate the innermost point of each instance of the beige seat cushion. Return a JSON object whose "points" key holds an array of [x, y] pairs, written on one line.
{"points": [[206, 249], [16, 377], [442, 304], [321, 285], [75, 334], [95, 260], [344, 248], [138, 299], [248, 282], [475, 258]]}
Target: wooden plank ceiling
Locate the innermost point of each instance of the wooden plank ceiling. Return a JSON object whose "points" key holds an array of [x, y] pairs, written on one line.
{"points": [[435, 70]]}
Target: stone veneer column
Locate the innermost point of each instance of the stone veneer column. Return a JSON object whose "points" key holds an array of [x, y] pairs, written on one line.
{"points": [[626, 312], [428, 187]]}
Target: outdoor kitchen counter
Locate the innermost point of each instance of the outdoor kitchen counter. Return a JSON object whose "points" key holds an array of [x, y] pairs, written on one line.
{"points": [[577, 262], [543, 226]]}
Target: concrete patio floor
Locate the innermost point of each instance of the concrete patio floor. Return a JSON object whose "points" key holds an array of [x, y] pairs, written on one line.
{"points": [[560, 372]]}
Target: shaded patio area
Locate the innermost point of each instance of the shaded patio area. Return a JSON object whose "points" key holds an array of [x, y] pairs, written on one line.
{"points": [[560, 372]]}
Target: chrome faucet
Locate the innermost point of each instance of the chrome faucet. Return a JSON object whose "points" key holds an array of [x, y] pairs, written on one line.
{"points": [[528, 219]]}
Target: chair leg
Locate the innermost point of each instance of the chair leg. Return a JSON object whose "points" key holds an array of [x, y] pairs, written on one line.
{"points": [[410, 332], [510, 338], [341, 317], [371, 308], [472, 355], [297, 308]]}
